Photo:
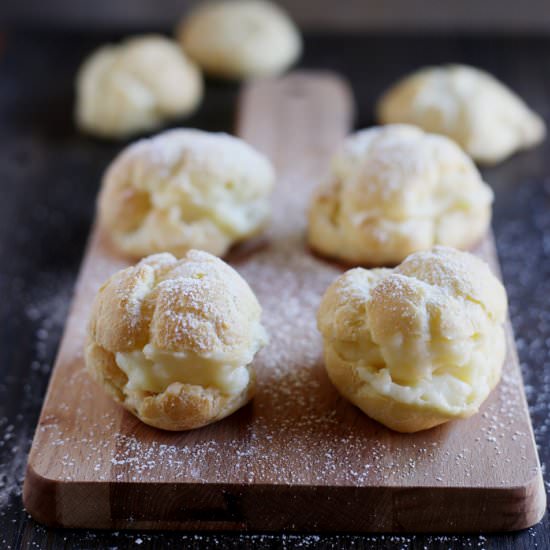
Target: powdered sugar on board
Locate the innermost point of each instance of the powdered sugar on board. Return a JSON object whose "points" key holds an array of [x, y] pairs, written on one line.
{"points": [[296, 416], [297, 430]]}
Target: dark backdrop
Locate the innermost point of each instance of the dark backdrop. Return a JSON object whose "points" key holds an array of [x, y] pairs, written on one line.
{"points": [[49, 176]]}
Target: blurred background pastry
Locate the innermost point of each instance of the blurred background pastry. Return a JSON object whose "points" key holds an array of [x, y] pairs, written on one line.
{"points": [[185, 189], [487, 119], [240, 39], [135, 86]]}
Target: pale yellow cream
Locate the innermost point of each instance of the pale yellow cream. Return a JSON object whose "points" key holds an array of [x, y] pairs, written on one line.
{"points": [[153, 370]]}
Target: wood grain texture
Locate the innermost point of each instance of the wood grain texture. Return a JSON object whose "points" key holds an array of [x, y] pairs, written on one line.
{"points": [[298, 457]]}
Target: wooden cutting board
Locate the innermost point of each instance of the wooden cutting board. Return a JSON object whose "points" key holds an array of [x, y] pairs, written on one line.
{"points": [[299, 457]]}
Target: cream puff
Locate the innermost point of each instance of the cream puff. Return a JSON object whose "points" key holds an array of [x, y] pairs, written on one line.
{"points": [[418, 345], [173, 341]]}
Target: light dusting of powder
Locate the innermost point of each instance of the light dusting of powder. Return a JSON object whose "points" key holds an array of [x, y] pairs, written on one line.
{"points": [[195, 150], [46, 311], [192, 318], [297, 429], [132, 298], [394, 181]]}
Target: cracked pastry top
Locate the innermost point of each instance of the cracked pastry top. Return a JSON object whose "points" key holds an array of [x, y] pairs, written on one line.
{"points": [[173, 340], [135, 86], [418, 345], [185, 189], [487, 119], [394, 190]]}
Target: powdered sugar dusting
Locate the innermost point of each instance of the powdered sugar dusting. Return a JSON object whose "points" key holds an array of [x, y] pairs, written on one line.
{"points": [[298, 430]]}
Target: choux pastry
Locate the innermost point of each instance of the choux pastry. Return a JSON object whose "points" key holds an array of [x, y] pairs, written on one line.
{"points": [[487, 119], [173, 340], [185, 189], [418, 345], [394, 190], [240, 39], [135, 87]]}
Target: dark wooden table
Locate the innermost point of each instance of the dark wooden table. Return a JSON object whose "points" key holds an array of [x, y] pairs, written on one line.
{"points": [[49, 176]]}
